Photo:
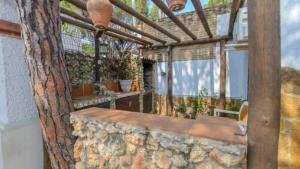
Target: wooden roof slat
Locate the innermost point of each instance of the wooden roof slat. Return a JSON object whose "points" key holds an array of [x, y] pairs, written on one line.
{"points": [[141, 17], [132, 28], [199, 10], [234, 11], [113, 20], [128, 35], [90, 27], [193, 42], [78, 3], [165, 9], [10, 28], [87, 20]]}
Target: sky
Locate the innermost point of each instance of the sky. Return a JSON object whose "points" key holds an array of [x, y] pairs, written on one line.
{"points": [[189, 6]]}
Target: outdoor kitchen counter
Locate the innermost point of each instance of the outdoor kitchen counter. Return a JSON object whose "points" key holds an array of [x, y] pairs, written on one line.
{"points": [[219, 129], [87, 101], [121, 139]]}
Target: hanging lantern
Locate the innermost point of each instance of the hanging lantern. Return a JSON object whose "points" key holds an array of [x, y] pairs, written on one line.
{"points": [[176, 5], [100, 12]]}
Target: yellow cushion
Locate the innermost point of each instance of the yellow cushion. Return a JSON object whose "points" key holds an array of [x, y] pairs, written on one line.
{"points": [[244, 112]]}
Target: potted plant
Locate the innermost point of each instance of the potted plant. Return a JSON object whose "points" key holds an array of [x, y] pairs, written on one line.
{"points": [[120, 66], [126, 72]]}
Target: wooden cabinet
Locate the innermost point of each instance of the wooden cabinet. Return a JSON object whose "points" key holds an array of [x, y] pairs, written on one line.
{"points": [[147, 102], [129, 103]]}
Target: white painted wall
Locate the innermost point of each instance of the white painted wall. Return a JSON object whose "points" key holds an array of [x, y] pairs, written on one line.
{"points": [[222, 24], [290, 33], [20, 135], [189, 77], [237, 74], [161, 78]]}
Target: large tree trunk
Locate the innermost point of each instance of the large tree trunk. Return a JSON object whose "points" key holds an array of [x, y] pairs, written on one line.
{"points": [[40, 22]]}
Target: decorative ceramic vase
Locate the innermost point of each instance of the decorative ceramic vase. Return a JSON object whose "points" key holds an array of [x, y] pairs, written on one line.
{"points": [[100, 12], [125, 85], [176, 5]]}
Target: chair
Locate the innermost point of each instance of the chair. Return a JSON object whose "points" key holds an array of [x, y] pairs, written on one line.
{"points": [[242, 114]]}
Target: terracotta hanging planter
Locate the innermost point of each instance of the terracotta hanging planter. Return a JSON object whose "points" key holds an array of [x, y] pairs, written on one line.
{"points": [[100, 12], [176, 5]]}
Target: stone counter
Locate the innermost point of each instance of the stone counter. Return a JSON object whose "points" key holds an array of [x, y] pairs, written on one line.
{"points": [[112, 139], [86, 101]]}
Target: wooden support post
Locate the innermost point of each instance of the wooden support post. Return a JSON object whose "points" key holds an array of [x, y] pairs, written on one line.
{"points": [[170, 83], [222, 75], [141, 81], [98, 33], [264, 83]]}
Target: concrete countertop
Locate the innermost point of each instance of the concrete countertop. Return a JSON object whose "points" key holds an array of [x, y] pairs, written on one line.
{"points": [[219, 129]]}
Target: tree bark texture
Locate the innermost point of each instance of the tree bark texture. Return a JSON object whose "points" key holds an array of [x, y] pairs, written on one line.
{"points": [[40, 23]]}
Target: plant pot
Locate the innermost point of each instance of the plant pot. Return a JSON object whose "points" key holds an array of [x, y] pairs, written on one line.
{"points": [[100, 12], [125, 85], [176, 5]]}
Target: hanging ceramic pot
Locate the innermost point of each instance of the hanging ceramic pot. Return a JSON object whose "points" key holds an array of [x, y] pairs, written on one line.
{"points": [[176, 5], [100, 12]]}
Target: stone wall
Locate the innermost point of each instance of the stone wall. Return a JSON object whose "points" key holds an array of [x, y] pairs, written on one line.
{"points": [[105, 144]]}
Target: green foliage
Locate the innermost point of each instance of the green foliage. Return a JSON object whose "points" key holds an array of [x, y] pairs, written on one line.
{"points": [[154, 12], [120, 65], [181, 108], [66, 28], [80, 67], [200, 103], [88, 48], [142, 6], [211, 3]]}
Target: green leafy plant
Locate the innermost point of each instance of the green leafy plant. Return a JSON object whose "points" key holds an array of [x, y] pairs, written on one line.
{"points": [[211, 3], [181, 108], [200, 104], [120, 65]]}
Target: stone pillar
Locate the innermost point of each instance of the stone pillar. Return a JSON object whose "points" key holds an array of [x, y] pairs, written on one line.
{"points": [[20, 136]]}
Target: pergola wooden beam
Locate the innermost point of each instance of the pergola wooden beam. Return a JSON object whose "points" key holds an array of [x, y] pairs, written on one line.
{"points": [[91, 28], [192, 42], [128, 35], [88, 21], [132, 28], [199, 10], [141, 17], [113, 20], [7, 27], [165, 9], [236, 4]]}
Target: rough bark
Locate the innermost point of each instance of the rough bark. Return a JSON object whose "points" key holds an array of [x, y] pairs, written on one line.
{"points": [[40, 23]]}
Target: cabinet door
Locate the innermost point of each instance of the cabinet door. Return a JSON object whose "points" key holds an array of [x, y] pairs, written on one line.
{"points": [[130, 103]]}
